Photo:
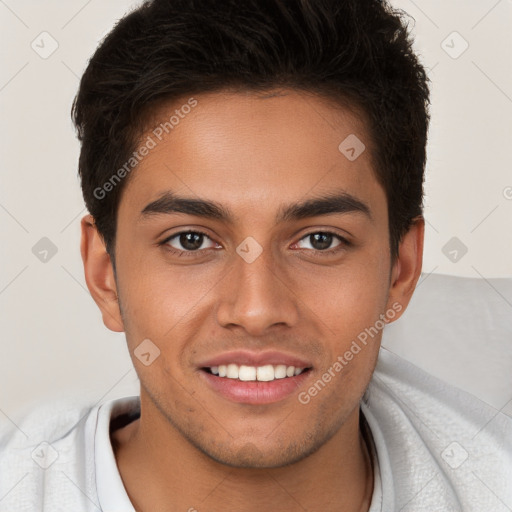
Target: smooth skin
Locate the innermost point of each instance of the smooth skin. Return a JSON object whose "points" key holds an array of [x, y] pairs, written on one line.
{"points": [[192, 448]]}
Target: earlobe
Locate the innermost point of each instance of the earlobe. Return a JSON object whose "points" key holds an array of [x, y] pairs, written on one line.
{"points": [[407, 267], [99, 274]]}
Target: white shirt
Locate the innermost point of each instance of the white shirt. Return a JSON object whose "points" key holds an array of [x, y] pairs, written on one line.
{"points": [[436, 449], [112, 495]]}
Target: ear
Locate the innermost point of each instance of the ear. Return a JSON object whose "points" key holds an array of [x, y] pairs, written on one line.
{"points": [[407, 267], [99, 274]]}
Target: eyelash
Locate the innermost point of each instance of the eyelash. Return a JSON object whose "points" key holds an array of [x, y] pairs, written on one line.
{"points": [[328, 252]]}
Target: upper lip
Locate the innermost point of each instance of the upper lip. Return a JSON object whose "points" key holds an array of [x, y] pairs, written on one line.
{"points": [[247, 358]]}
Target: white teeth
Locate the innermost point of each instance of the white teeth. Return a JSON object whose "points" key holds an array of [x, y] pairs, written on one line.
{"points": [[247, 373], [264, 373], [280, 371], [232, 371]]}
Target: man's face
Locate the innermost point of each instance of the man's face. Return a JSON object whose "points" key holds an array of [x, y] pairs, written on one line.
{"points": [[306, 295]]}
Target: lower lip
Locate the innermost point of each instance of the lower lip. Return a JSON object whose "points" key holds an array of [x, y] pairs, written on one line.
{"points": [[255, 392]]}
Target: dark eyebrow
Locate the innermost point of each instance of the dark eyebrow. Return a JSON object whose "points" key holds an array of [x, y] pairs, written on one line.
{"points": [[341, 202]]}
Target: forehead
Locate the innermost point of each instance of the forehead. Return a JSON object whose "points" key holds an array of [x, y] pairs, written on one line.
{"points": [[247, 150]]}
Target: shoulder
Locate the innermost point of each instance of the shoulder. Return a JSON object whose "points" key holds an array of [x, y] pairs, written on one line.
{"points": [[458, 446], [47, 419], [43, 450]]}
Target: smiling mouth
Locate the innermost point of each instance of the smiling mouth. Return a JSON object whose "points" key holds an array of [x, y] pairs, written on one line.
{"points": [[255, 385], [264, 373]]}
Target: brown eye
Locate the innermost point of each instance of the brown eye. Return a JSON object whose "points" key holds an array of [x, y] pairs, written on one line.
{"points": [[323, 240], [187, 241]]}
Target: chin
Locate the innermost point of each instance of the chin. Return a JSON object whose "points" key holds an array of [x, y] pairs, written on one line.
{"points": [[252, 456]]}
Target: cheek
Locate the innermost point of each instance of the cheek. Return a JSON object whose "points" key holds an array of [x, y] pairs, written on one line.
{"points": [[349, 305], [348, 298], [158, 298], [168, 308]]}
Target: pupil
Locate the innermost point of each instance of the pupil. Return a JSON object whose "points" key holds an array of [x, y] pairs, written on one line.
{"points": [[321, 240], [191, 241]]}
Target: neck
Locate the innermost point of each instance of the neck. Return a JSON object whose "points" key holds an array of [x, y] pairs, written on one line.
{"points": [[338, 476]]}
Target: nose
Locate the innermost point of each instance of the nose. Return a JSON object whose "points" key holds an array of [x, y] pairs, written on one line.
{"points": [[257, 296]]}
